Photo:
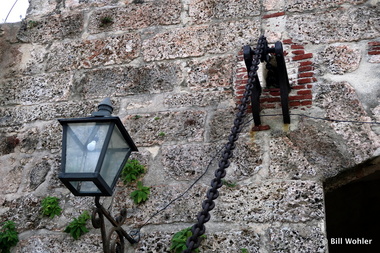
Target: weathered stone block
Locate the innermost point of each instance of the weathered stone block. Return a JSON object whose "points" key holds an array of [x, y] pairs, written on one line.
{"points": [[273, 5], [135, 16], [52, 27], [212, 74], [287, 161], [302, 6], [187, 99], [35, 9], [79, 54], [176, 43], [206, 11], [341, 102], [222, 242], [341, 59], [221, 124], [296, 238], [122, 81], [157, 128], [59, 242], [286, 201], [184, 209], [322, 149], [11, 172], [197, 40], [338, 25], [36, 89], [25, 211], [86, 4], [187, 162]]}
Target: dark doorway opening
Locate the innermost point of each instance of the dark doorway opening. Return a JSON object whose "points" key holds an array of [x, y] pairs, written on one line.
{"points": [[353, 215]]}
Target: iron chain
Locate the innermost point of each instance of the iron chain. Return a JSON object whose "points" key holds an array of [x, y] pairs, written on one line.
{"points": [[204, 216]]}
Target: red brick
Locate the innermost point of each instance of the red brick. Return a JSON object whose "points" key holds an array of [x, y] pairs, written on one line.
{"points": [[306, 102], [287, 41], [297, 47], [304, 81], [306, 63], [303, 92], [298, 87], [298, 52], [374, 43], [294, 103], [241, 81], [301, 97], [305, 74], [309, 86], [305, 69], [274, 93], [374, 52], [273, 15], [302, 57]]}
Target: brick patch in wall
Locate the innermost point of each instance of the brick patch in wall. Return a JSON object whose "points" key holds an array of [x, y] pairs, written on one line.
{"points": [[301, 77], [374, 51]]}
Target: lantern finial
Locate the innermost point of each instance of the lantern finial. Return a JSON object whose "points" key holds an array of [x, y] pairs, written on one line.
{"points": [[105, 108]]}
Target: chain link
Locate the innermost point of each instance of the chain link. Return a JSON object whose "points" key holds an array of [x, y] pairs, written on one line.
{"points": [[204, 216]]}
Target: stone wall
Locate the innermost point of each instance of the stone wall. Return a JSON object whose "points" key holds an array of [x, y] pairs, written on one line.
{"points": [[173, 69]]}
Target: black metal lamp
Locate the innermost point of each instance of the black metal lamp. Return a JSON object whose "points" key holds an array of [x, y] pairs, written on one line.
{"points": [[94, 152]]}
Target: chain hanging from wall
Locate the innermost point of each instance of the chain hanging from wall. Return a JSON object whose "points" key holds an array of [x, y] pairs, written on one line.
{"points": [[252, 90]]}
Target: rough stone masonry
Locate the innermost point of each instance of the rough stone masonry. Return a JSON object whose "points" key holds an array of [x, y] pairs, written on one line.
{"points": [[174, 71]]}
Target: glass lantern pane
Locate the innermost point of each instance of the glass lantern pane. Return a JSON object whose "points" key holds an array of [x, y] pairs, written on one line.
{"points": [[83, 147], [85, 186], [118, 150]]}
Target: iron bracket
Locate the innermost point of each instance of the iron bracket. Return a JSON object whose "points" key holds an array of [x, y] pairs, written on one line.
{"points": [[111, 245], [281, 79]]}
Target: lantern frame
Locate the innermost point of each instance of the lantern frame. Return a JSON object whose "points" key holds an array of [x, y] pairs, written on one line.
{"points": [[104, 189]]}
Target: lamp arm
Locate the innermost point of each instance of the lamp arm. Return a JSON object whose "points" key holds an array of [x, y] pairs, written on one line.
{"points": [[116, 245]]}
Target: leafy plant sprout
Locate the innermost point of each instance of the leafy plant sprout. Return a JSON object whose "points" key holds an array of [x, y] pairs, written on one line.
{"points": [[77, 227], [8, 236], [179, 240], [132, 171], [50, 207], [105, 21], [141, 194]]}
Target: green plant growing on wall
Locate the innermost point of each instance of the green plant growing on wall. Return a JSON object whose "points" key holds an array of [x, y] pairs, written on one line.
{"points": [[179, 240], [32, 24], [228, 183], [77, 227], [105, 21], [161, 134], [141, 194], [50, 206], [244, 250], [131, 171], [8, 236]]}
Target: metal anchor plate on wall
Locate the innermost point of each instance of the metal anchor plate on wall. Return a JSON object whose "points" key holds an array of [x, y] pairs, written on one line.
{"points": [[277, 77]]}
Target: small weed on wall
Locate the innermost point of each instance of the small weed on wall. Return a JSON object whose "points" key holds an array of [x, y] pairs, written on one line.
{"points": [[8, 236]]}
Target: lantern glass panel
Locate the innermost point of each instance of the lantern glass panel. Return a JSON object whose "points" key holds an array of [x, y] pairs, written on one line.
{"points": [[85, 186], [116, 155], [84, 145]]}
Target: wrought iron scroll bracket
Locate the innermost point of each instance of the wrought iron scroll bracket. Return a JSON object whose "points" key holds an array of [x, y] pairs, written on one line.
{"points": [[111, 245], [281, 78]]}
